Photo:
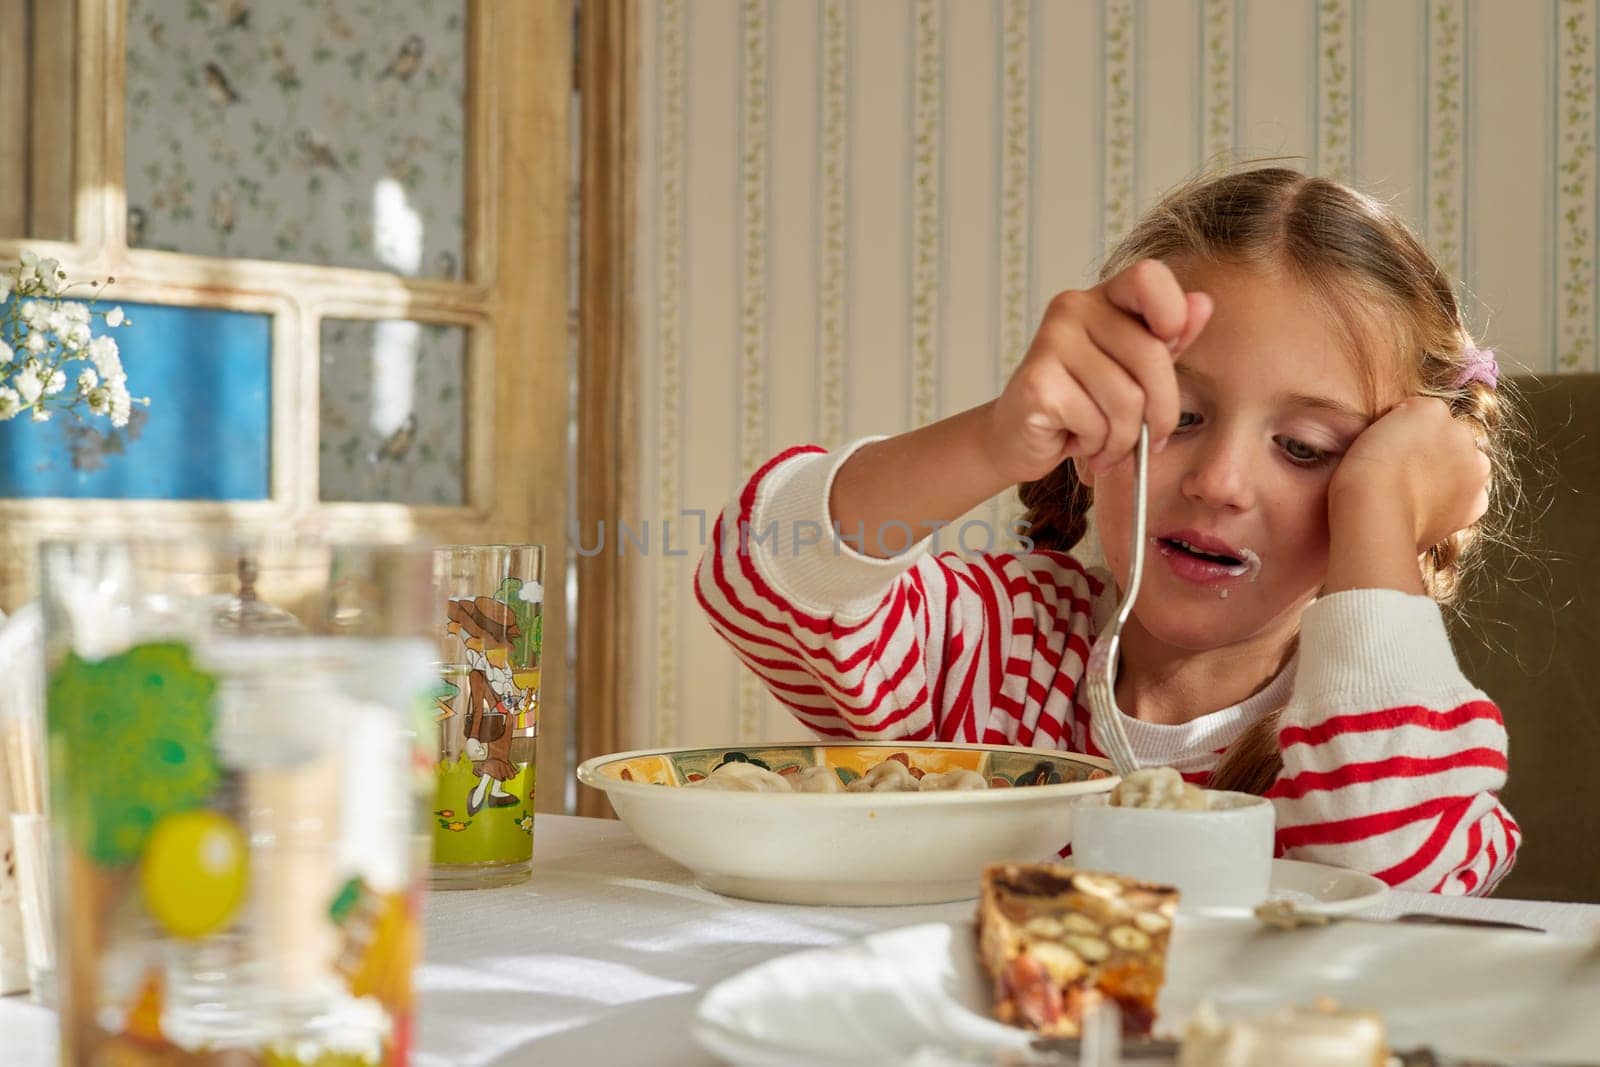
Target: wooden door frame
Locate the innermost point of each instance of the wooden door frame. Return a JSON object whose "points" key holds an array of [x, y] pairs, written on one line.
{"points": [[607, 405], [518, 115]]}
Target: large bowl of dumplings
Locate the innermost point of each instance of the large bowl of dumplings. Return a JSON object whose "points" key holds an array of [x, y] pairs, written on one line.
{"points": [[848, 823]]}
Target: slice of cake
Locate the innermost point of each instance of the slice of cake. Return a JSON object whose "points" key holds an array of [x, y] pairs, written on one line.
{"points": [[1053, 939]]}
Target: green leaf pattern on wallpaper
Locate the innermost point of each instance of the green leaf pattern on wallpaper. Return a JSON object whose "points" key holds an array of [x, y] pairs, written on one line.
{"points": [[313, 131]]}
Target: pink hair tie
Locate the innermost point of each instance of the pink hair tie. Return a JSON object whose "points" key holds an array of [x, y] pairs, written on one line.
{"points": [[1479, 365]]}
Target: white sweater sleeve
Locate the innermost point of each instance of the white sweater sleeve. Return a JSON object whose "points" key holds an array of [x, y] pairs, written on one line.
{"points": [[1392, 759]]}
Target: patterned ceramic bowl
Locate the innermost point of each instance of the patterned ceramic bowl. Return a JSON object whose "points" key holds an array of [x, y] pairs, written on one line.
{"points": [[849, 847]]}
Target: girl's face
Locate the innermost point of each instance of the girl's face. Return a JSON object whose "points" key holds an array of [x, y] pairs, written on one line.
{"points": [[1270, 401]]}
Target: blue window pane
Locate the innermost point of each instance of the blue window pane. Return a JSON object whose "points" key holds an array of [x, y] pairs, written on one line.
{"points": [[205, 436]]}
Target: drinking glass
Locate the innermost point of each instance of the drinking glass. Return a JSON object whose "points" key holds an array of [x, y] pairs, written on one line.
{"points": [[27, 952], [489, 619], [237, 785], [30, 852]]}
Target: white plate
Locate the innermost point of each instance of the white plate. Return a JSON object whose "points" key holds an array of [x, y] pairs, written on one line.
{"points": [[917, 994], [1317, 887]]}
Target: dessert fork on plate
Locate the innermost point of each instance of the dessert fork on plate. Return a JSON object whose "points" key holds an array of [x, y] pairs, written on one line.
{"points": [[1069, 1052]]}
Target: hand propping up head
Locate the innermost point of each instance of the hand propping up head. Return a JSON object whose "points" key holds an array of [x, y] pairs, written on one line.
{"points": [[1419, 463]]}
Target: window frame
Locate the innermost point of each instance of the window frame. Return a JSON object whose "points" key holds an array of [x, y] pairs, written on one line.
{"points": [[514, 301]]}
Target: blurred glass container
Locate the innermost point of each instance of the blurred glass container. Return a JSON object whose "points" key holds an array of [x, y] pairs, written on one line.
{"points": [[26, 949], [237, 780], [30, 852]]}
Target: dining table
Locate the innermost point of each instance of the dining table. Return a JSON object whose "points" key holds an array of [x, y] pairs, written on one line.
{"points": [[603, 954]]}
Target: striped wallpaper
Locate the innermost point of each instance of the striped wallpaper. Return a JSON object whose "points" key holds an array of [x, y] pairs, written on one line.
{"points": [[853, 211]]}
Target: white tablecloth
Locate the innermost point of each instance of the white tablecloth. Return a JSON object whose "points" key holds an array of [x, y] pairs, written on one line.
{"points": [[602, 956]]}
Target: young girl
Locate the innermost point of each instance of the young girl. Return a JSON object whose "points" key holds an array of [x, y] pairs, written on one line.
{"points": [[1322, 428]]}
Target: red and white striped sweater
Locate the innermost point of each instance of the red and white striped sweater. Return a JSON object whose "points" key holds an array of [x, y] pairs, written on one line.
{"points": [[1391, 759]]}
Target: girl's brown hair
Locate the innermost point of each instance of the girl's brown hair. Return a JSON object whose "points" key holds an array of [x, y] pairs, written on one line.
{"points": [[1377, 283]]}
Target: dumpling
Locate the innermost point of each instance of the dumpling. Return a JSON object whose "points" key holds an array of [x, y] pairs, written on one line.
{"points": [[890, 776], [960, 778], [1158, 787], [744, 778], [817, 780]]}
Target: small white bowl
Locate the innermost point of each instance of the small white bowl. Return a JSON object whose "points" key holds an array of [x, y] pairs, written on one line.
{"points": [[849, 848], [1220, 857]]}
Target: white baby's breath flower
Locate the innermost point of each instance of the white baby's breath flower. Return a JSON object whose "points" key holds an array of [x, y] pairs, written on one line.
{"points": [[121, 404], [49, 333], [50, 279], [103, 352], [27, 383], [531, 593]]}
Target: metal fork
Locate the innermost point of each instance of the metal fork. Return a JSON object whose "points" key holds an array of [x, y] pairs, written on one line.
{"points": [[1100, 676]]}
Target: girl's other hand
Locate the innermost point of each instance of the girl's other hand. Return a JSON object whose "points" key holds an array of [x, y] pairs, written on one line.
{"points": [[1418, 463], [1100, 362]]}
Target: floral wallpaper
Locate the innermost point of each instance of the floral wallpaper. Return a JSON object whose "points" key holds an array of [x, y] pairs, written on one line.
{"points": [[392, 412], [315, 131]]}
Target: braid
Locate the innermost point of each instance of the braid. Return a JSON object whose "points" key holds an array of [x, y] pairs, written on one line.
{"points": [[1253, 762], [1057, 506]]}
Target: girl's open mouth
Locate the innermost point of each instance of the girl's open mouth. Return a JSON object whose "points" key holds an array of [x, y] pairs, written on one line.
{"points": [[1206, 560]]}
